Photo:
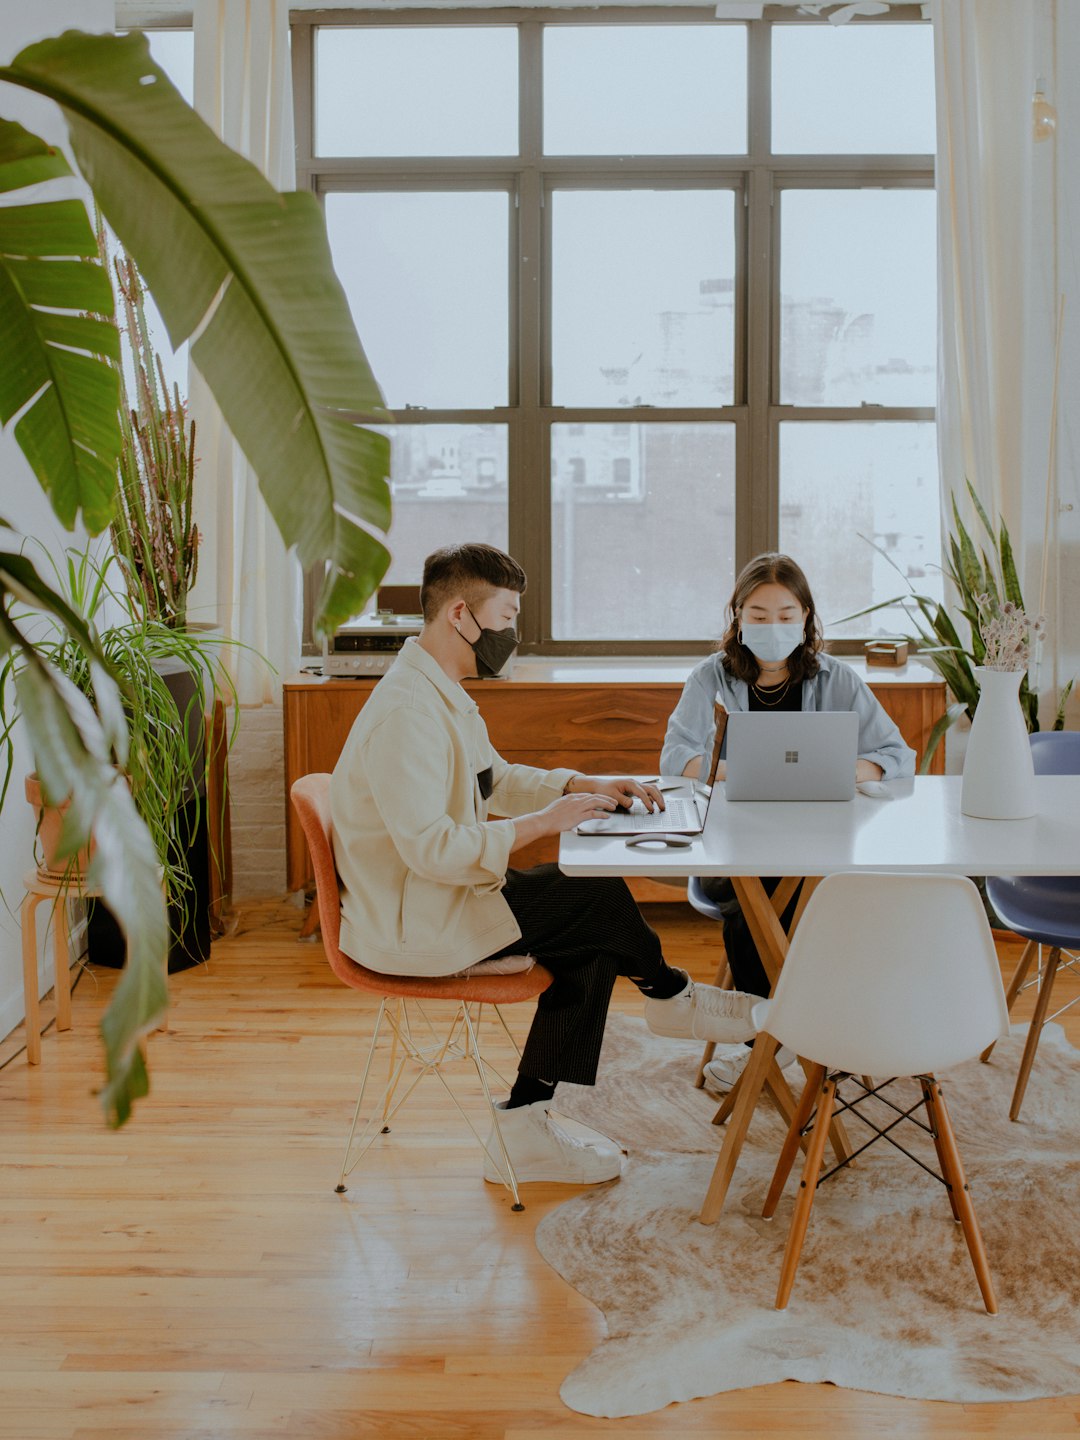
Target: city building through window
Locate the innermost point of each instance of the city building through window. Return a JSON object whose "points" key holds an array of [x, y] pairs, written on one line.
{"points": [[647, 293]]}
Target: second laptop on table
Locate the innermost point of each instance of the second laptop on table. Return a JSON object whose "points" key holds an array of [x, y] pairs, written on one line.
{"points": [[795, 755]]}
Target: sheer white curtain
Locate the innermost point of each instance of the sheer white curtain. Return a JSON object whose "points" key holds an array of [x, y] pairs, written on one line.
{"points": [[247, 581], [1007, 208]]}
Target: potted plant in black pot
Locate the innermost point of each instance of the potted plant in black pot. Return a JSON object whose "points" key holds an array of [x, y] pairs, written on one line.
{"points": [[168, 677]]}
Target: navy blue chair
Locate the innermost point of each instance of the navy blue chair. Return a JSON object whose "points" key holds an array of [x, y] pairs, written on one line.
{"points": [[1043, 909]]}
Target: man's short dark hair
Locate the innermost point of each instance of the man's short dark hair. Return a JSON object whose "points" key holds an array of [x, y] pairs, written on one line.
{"points": [[473, 571]]}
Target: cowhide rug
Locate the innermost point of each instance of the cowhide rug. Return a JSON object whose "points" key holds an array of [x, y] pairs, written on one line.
{"points": [[885, 1298]]}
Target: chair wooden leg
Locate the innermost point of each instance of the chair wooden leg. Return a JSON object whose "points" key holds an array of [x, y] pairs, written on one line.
{"points": [[61, 963], [730, 1100], [928, 1100], [842, 1146], [954, 1174], [723, 981], [1038, 1020], [790, 1148], [750, 1083], [28, 921], [1019, 976], [805, 1198]]}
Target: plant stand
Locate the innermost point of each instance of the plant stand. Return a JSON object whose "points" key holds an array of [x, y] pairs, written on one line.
{"points": [[42, 886]]}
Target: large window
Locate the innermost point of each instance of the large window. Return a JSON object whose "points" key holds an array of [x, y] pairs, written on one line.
{"points": [[647, 294]]}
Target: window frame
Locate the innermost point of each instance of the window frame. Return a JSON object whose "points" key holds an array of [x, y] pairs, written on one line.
{"points": [[757, 177]]}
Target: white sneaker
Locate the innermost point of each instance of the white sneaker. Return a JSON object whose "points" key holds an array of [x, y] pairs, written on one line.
{"points": [[703, 1012], [539, 1150], [724, 1069]]}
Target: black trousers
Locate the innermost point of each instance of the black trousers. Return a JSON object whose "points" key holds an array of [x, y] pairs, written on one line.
{"points": [[586, 931], [747, 971]]}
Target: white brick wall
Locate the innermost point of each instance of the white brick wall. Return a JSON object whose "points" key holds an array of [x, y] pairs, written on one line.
{"points": [[257, 793]]}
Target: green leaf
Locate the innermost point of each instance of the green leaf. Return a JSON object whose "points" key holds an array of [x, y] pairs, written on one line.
{"points": [[943, 723], [966, 561], [1010, 580], [979, 509], [991, 579], [25, 159], [1063, 700], [55, 369], [247, 272], [73, 754], [869, 610]]}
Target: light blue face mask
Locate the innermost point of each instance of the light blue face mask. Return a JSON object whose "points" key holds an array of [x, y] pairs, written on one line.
{"points": [[771, 643]]}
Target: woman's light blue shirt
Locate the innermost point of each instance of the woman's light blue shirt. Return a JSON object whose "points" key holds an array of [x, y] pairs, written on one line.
{"points": [[836, 686]]}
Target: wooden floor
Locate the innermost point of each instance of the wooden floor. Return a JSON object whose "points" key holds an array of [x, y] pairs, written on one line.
{"points": [[195, 1276]]}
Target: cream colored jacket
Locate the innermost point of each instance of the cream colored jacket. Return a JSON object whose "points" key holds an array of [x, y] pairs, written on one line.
{"points": [[421, 865]]}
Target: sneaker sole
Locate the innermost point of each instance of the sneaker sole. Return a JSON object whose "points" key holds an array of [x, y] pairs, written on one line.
{"points": [[715, 1086], [739, 1031], [539, 1175]]}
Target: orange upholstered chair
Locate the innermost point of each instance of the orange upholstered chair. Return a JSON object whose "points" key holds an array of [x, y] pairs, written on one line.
{"points": [[420, 1044]]}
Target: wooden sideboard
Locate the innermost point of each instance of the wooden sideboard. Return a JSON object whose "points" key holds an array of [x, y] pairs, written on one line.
{"points": [[598, 716]]}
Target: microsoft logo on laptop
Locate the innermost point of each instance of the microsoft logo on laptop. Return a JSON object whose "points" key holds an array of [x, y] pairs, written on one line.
{"points": [[791, 757]]}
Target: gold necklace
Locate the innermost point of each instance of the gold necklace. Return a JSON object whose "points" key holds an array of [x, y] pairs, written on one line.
{"points": [[771, 704]]}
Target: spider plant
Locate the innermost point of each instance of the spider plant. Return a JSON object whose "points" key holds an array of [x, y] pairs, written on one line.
{"points": [[165, 753]]}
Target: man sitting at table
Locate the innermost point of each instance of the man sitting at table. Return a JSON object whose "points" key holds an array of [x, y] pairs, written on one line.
{"points": [[426, 883]]}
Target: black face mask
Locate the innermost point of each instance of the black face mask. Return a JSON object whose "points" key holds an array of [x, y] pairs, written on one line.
{"points": [[492, 648]]}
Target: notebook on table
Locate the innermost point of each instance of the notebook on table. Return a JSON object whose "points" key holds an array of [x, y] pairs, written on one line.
{"points": [[792, 755]]}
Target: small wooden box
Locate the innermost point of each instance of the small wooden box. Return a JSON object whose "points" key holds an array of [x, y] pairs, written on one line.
{"points": [[888, 654]]}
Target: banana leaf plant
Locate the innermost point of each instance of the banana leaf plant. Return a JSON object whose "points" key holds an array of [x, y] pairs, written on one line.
{"points": [[244, 273], [973, 571]]}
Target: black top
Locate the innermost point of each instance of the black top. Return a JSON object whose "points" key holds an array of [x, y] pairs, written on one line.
{"points": [[791, 699]]}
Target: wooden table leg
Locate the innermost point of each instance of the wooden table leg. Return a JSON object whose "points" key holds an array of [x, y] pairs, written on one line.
{"points": [[763, 924], [809, 885], [722, 982], [781, 896], [750, 1086], [772, 946]]}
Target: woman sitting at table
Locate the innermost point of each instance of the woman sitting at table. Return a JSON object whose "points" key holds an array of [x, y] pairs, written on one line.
{"points": [[771, 657]]}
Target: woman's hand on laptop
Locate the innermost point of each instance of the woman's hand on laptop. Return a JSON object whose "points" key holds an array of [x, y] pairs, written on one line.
{"points": [[623, 789], [867, 770]]}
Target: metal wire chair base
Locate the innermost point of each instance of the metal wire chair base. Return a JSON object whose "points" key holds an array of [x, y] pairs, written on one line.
{"points": [[423, 1048], [875, 1093]]}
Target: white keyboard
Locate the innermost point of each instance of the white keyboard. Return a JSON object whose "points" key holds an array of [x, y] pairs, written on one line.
{"points": [[679, 815]]}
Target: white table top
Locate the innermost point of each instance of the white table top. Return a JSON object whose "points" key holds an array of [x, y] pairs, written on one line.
{"points": [[918, 828]]}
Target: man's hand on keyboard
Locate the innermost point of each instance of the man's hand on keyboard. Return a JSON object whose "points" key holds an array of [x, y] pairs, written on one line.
{"points": [[623, 789]]}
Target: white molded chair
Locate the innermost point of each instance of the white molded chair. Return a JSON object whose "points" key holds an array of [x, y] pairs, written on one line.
{"points": [[887, 975]]}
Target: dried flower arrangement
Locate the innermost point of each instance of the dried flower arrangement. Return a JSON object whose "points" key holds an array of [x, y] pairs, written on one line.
{"points": [[154, 534], [1008, 633]]}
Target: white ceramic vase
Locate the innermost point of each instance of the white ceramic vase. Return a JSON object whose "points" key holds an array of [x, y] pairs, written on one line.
{"points": [[999, 777]]}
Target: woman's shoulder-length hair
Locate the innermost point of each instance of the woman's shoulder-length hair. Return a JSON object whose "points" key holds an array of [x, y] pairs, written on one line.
{"points": [[771, 568]]}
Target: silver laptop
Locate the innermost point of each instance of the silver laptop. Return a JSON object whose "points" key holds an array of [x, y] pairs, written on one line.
{"points": [[685, 814], [795, 755]]}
